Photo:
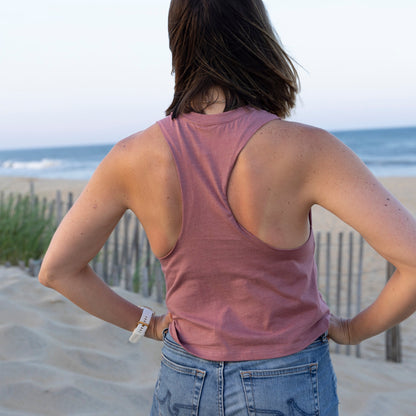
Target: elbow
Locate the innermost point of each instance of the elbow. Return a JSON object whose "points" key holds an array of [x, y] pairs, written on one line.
{"points": [[46, 276], [54, 274]]}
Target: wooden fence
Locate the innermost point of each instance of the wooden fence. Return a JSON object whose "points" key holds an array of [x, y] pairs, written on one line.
{"points": [[336, 259], [126, 260]]}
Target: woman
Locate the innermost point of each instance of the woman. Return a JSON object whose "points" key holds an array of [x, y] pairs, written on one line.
{"points": [[224, 188]]}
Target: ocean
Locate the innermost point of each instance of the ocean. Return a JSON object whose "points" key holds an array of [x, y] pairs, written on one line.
{"points": [[386, 152]]}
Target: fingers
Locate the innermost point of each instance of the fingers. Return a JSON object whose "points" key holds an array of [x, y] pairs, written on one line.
{"points": [[339, 330], [158, 325], [167, 319]]}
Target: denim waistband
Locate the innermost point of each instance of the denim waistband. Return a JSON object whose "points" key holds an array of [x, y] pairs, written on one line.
{"points": [[170, 343]]}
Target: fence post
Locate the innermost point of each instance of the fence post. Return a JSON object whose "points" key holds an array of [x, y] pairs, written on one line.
{"points": [[115, 266], [70, 200], [106, 275], [159, 282], [318, 253], [359, 275], [339, 280], [328, 268], [349, 287], [126, 255], [135, 256], [59, 207], [32, 192], [144, 270], [52, 209], [393, 339]]}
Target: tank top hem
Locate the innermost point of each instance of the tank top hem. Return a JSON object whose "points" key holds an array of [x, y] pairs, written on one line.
{"points": [[257, 352]]}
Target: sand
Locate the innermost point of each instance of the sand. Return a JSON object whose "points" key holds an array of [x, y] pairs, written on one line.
{"points": [[42, 187], [57, 360]]}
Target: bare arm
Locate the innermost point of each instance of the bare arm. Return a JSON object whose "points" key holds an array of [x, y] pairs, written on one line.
{"points": [[81, 235], [341, 183]]}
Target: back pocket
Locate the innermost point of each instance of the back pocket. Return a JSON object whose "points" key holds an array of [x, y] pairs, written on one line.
{"points": [[291, 391], [178, 389]]}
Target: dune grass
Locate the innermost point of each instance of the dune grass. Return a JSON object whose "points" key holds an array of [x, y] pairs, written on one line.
{"points": [[25, 228]]}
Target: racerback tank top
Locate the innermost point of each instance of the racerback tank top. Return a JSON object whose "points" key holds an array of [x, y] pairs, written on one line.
{"points": [[232, 296]]}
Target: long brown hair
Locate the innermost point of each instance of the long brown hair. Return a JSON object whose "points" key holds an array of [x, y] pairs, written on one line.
{"points": [[231, 45]]}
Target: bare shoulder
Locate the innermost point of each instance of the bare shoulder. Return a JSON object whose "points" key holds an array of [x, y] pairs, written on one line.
{"points": [[296, 145], [142, 152], [140, 143], [297, 135]]}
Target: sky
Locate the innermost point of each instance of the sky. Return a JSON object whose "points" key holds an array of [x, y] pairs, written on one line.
{"points": [[95, 71]]}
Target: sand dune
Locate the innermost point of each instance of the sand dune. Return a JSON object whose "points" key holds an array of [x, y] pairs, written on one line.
{"points": [[57, 360]]}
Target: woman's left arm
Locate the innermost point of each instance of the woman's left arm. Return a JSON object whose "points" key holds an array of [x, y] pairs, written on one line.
{"points": [[80, 236], [341, 183]]}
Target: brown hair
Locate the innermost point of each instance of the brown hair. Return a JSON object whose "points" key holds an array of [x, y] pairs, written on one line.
{"points": [[231, 45]]}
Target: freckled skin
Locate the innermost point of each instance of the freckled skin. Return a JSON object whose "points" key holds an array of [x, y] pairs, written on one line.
{"points": [[283, 171]]}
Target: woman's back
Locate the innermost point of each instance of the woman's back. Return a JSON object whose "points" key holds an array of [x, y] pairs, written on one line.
{"points": [[225, 288], [267, 191]]}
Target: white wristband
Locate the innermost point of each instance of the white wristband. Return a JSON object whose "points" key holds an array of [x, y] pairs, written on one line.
{"points": [[142, 325]]}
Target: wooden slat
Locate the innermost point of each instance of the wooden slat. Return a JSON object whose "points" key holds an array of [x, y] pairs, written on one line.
{"points": [[393, 337]]}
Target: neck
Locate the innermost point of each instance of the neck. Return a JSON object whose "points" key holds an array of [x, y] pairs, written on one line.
{"points": [[214, 101], [215, 108]]}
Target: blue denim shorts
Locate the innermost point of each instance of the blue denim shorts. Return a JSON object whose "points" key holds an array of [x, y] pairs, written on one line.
{"points": [[301, 384]]}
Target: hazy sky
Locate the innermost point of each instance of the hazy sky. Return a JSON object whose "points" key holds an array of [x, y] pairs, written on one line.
{"points": [[95, 71]]}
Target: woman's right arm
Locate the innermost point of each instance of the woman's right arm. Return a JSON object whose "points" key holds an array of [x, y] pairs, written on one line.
{"points": [[83, 232], [340, 182]]}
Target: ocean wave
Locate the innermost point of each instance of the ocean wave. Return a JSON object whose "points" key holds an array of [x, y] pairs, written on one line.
{"points": [[31, 164], [400, 160]]}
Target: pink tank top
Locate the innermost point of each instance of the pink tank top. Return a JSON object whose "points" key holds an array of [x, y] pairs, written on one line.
{"points": [[232, 296]]}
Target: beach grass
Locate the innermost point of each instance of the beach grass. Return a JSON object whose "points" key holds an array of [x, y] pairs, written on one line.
{"points": [[25, 228]]}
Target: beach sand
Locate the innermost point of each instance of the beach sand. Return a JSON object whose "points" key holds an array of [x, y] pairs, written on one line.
{"points": [[57, 360]]}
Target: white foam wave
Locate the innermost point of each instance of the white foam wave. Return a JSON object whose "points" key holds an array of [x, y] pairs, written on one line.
{"points": [[31, 164]]}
